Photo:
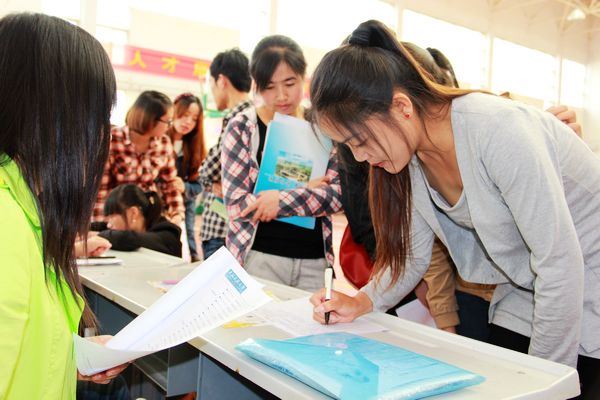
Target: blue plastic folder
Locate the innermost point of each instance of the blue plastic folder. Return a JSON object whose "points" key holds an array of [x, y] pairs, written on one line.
{"points": [[346, 366], [293, 155]]}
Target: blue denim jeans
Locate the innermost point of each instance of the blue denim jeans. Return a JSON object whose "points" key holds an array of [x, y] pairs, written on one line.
{"points": [[192, 190], [212, 245], [473, 314], [115, 390]]}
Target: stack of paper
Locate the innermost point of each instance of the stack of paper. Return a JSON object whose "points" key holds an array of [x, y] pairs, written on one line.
{"points": [[215, 292], [346, 366]]}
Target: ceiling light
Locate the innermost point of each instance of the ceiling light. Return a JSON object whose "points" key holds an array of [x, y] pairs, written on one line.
{"points": [[576, 15]]}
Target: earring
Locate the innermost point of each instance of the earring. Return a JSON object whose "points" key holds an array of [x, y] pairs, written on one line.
{"points": [[406, 115]]}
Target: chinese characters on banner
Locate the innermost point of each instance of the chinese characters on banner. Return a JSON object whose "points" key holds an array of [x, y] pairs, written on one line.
{"points": [[138, 59]]}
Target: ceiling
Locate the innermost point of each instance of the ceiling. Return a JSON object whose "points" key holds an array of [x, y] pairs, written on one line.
{"points": [[583, 14]]}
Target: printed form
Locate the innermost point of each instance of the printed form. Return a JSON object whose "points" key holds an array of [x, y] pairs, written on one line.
{"points": [[295, 318], [215, 292]]}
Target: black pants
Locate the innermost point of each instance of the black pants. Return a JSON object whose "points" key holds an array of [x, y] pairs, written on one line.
{"points": [[587, 367]]}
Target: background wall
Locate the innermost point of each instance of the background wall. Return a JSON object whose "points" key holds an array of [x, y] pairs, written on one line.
{"points": [[202, 29]]}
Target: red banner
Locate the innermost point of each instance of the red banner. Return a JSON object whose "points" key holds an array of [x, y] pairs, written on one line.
{"points": [[139, 59]]}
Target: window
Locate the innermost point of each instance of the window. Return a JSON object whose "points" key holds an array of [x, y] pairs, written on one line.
{"points": [[572, 85], [467, 50], [524, 71], [117, 117], [67, 9], [113, 14], [325, 24], [111, 36]]}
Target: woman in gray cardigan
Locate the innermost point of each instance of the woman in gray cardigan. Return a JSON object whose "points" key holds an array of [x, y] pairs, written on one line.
{"points": [[510, 191]]}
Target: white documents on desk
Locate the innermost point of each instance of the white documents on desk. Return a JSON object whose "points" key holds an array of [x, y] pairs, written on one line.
{"points": [[215, 292], [295, 317], [93, 261]]}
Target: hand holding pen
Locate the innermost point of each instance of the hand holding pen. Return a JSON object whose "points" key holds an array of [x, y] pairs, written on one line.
{"points": [[331, 307]]}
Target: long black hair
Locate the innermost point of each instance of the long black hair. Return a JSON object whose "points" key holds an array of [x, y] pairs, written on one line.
{"points": [[194, 147], [356, 82], [56, 94], [125, 196]]}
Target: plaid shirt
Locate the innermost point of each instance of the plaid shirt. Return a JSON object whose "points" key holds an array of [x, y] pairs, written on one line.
{"points": [[153, 170], [213, 226], [240, 171]]}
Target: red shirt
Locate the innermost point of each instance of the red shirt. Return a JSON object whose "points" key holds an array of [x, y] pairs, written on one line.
{"points": [[153, 170]]}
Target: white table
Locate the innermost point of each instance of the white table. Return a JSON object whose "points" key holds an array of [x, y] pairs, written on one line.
{"points": [[509, 375]]}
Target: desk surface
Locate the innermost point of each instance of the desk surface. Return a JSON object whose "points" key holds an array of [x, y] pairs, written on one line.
{"points": [[509, 375]]}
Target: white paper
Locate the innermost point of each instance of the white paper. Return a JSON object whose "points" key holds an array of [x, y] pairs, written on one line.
{"points": [[82, 262], [93, 357], [416, 312], [295, 317], [216, 291]]}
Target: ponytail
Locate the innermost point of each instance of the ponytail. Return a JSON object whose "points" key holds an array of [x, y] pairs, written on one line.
{"points": [[153, 209]]}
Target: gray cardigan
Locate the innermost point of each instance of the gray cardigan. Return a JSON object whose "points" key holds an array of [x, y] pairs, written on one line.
{"points": [[533, 190]]}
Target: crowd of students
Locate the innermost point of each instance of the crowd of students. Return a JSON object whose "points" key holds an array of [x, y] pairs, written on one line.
{"points": [[493, 203]]}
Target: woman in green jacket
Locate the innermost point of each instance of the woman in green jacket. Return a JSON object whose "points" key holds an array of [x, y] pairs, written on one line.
{"points": [[56, 94]]}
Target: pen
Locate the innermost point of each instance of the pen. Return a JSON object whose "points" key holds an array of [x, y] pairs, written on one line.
{"points": [[328, 285]]}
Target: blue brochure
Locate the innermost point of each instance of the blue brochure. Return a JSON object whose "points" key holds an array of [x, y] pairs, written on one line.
{"points": [[346, 366], [293, 155]]}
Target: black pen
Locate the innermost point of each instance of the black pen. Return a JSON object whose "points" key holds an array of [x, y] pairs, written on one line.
{"points": [[328, 285]]}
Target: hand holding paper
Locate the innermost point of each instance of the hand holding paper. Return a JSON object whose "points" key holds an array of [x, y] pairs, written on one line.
{"points": [[104, 377], [215, 292]]}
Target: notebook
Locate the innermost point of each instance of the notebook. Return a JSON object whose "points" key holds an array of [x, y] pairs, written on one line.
{"points": [[350, 367], [293, 156]]}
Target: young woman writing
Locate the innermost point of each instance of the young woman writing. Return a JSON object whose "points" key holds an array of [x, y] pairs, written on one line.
{"points": [[508, 189]]}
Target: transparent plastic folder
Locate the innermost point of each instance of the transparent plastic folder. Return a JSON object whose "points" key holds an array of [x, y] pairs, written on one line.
{"points": [[346, 366]]}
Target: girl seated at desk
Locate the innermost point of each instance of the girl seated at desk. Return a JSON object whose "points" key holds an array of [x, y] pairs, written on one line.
{"points": [[135, 220]]}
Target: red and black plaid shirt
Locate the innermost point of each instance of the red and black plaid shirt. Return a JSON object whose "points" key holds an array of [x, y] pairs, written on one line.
{"points": [[153, 170]]}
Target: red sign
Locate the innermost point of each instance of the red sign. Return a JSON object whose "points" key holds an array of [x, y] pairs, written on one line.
{"points": [[139, 59]]}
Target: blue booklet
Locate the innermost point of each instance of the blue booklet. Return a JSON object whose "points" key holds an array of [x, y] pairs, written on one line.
{"points": [[293, 155], [350, 367]]}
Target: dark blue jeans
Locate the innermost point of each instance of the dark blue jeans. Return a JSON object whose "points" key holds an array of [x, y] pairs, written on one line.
{"points": [[212, 245], [473, 314], [192, 190], [115, 390]]}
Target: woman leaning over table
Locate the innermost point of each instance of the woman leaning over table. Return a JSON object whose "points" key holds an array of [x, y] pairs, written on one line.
{"points": [[510, 191]]}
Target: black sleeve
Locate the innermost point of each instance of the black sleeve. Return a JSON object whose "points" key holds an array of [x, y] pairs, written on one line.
{"points": [[165, 241], [354, 179], [98, 226]]}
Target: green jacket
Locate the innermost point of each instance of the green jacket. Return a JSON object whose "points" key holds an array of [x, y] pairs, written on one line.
{"points": [[36, 318]]}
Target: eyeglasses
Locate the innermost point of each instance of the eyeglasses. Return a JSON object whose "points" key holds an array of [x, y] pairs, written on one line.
{"points": [[169, 122]]}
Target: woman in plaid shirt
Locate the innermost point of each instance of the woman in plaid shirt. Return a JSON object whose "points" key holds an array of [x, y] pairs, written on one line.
{"points": [[271, 249], [141, 153]]}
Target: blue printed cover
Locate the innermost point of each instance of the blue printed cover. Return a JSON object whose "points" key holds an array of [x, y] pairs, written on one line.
{"points": [[293, 155], [350, 367]]}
